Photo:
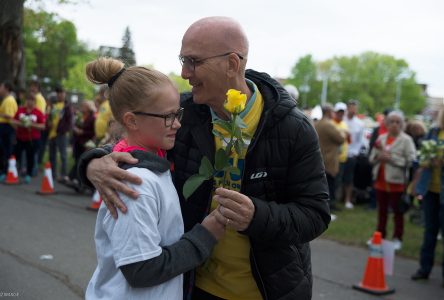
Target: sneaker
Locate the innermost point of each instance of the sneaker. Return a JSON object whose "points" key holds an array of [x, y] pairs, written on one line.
{"points": [[27, 179], [349, 205], [2, 177], [419, 275], [397, 244]]}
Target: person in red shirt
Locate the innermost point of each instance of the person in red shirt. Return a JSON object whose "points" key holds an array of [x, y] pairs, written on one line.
{"points": [[28, 121]]}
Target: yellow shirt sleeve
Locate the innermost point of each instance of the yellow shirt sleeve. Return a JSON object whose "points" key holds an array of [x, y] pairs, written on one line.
{"points": [[102, 119], [8, 107], [40, 103]]}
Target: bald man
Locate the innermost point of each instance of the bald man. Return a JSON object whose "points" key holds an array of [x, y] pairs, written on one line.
{"points": [[278, 204]]}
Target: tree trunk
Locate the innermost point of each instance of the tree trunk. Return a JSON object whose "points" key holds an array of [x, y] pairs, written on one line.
{"points": [[11, 41]]}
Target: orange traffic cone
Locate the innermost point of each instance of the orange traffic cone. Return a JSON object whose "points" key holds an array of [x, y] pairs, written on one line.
{"points": [[374, 280], [47, 186], [95, 202], [12, 176]]}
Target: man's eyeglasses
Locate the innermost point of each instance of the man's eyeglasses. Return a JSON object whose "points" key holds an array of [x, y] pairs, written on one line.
{"points": [[190, 63], [169, 118]]}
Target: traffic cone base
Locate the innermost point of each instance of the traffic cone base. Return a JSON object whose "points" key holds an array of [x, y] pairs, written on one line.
{"points": [[96, 201], [373, 291], [47, 186], [374, 280], [12, 175]]}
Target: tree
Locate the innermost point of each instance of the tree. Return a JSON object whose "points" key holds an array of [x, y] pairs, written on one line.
{"points": [[181, 84], [370, 77], [11, 45], [126, 52], [76, 79], [304, 77], [50, 44]]}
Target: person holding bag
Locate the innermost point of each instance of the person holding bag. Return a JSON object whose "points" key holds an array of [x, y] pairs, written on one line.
{"points": [[391, 157]]}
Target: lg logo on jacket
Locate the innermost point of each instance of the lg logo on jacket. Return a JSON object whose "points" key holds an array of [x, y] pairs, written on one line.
{"points": [[258, 175]]}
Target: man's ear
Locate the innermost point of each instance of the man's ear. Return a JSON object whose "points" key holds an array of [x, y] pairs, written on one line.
{"points": [[233, 65], [129, 120]]}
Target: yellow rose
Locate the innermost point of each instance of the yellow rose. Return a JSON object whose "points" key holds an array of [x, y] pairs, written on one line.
{"points": [[235, 102]]}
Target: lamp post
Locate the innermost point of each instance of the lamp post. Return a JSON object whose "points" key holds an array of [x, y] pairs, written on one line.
{"points": [[304, 89], [335, 68], [404, 74]]}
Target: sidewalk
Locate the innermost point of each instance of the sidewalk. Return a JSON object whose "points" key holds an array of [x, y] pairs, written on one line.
{"points": [[337, 267]]}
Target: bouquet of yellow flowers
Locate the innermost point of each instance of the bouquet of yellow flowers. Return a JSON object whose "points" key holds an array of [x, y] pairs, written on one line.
{"points": [[234, 104]]}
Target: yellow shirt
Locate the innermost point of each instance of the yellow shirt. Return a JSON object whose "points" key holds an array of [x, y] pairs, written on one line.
{"points": [[55, 118], [227, 273], [102, 119], [343, 149], [8, 107], [40, 103], [435, 184]]}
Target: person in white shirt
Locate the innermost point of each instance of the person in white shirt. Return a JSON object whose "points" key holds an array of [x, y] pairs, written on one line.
{"points": [[143, 253], [356, 130]]}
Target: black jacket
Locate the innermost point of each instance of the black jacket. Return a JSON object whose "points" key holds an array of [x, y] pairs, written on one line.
{"points": [[283, 175]]}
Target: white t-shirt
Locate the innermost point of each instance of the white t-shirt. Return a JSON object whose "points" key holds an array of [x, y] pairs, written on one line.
{"points": [[152, 221], [356, 129]]}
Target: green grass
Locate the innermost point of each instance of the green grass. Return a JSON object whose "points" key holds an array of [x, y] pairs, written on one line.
{"points": [[355, 227]]}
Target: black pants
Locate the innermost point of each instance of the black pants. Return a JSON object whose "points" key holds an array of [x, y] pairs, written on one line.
{"points": [[77, 151], [31, 148], [331, 189], [199, 294]]}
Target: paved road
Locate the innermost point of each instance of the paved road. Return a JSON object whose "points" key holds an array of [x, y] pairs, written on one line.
{"points": [[59, 225]]}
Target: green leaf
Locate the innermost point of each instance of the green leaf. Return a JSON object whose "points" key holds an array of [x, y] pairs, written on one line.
{"points": [[192, 184], [221, 160], [239, 122], [238, 133], [206, 169], [228, 148], [218, 134], [224, 124]]}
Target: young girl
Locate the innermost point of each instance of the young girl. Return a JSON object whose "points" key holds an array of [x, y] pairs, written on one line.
{"points": [[143, 253], [29, 121]]}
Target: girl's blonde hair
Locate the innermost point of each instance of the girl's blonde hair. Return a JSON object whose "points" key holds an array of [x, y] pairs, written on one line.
{"points": [[134, 88]]}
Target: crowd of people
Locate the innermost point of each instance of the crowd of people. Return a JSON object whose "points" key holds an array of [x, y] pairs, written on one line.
{"points": [[34, 128], [246, 243]]}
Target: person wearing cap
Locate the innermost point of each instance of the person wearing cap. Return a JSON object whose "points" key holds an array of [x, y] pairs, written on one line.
{"points": [[338, 120], [356, 130], [330, 140]]}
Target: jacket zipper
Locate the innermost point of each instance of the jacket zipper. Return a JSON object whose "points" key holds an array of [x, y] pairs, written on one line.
{"points": [[259, 274], [252, 144]]}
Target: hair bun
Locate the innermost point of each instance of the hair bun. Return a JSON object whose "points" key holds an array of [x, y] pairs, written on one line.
{"points": [[101, 70]]}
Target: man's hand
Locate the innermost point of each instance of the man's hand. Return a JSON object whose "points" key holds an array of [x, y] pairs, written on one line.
{"points": [[236, 209], [107, 177]]}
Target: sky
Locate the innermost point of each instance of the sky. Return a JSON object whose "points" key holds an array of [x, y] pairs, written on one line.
{"points": [[279, 31]]}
